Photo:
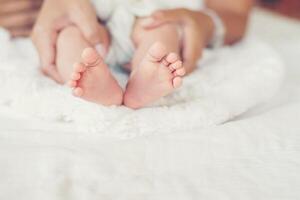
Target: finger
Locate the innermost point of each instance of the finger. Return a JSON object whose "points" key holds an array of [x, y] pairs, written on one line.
{"points": [[51, 71], [21, 32], [164, 16], [19, 6], [87, 22], [103, 46], [20, 19], [44, 39], [192, 48]]}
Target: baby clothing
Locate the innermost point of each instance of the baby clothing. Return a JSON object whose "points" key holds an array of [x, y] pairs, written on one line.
{"points": [[120, 16]]}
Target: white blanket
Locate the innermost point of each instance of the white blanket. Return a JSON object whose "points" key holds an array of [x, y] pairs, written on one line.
{"points": [[227, 83], [256, 156]]}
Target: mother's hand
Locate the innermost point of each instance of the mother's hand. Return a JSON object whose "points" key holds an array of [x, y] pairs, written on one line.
{"points": [[17, 16], [54, 16], [198, 27], [197, 31]]}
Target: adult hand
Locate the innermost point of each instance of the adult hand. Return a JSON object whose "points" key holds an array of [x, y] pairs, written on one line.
{"points": [[17, 16], [197, 31], [57, 14]]}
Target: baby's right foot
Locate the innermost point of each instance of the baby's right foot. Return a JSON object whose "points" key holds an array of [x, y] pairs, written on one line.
{"points": [[93, 81], [158, 75]]}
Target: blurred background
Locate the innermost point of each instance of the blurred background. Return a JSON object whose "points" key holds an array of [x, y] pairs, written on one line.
{"points": [[290, 8], [18, 16]]}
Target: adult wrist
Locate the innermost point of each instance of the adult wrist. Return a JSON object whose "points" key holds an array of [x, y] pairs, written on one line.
{"points": [[217, 33], [207, 26]]}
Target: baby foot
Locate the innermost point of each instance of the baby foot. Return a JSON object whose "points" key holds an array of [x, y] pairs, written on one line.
{"points": [[158, 75], [93, 81]]}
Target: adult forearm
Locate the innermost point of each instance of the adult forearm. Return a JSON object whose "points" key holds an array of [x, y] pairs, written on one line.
{"points": [[235, 25], [235, 15]]}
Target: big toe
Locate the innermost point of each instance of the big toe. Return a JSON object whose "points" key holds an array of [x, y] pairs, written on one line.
{"points": [[157, 52], [90, 57]]}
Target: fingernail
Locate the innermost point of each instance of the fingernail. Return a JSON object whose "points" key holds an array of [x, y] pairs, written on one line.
{"points": [[101, 50], [147, 22]]}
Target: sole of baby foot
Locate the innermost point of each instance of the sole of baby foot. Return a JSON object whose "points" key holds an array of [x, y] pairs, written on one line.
{"points": [[159, 74], [92, 80]]}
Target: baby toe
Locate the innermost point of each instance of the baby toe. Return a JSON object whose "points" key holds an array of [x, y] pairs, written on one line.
{"points": [[157, 52], [180, 72], [78, 92], [75, 76], [72, 84], [172, 57], [177, 82], [165, 62], [90, 57], [176, 65], [79, 67]]}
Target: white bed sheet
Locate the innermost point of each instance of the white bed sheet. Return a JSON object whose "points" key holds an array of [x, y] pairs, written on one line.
{"points": [[256, 156]]}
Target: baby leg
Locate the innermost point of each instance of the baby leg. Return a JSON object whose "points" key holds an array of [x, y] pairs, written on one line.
{"points": [[84, 69], [156, 68], [69, 46]]}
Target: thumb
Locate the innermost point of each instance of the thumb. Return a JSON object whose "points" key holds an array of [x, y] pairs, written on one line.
{"points": [[192, 49], [92, 30], [161, 17], [51, 71], [44, 41], [97, 36]]}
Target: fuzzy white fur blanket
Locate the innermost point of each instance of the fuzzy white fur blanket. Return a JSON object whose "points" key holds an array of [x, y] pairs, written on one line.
{"points": [[227, 83]]}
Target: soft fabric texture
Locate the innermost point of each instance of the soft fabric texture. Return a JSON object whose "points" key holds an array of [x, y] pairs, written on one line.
{"points": [[255, 156], [226, 84], [120, 16]]}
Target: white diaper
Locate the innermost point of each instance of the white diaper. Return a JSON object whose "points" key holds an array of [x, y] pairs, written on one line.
{"points": [[120, 15]]}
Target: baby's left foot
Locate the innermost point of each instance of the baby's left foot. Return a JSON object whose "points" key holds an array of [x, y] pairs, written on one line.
{"points": [[93, 81], [158, 75]]}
